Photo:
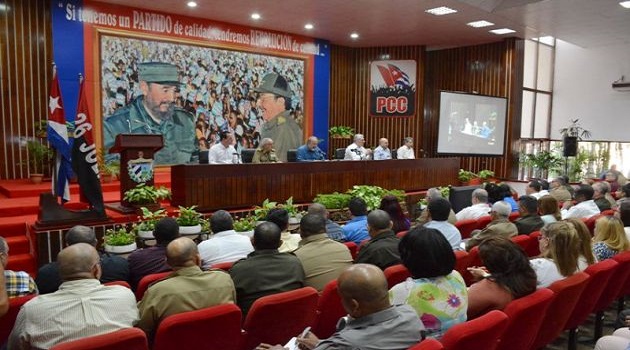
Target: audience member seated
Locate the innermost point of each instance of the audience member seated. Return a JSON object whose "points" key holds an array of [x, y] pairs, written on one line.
{"points": [[505, 275], [612, 179], [438, 211], [382, 152], [356, 151], [534, 189], [333, 230], [600, 189], [391, 205], [505, 193], [623, 194], [82, 306], [265, 271], [406, 150], [435, 290], [619, 340], [549, 210], [478, 208], [223, 152], [114, 268], [356, 229], [151, 260], [382, 249], [585, 207], [559, 190], [610, 238], [624, 216], [322, 258], [4, 299], [433, 193], [280, 217], [500, 226], [17, 283], [187, 289], [224, 245], [560, 249], [265, 153], [586, 242], [310, 151], [529, 220]]}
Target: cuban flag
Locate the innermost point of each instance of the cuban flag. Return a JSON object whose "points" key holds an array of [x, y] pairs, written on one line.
{"points": [[394, 76], [57, 131]]}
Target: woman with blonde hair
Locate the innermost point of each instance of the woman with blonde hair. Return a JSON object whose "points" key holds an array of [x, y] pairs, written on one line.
{"points": [[560, 248], [586, 251], [610, 238], [548, 209]]}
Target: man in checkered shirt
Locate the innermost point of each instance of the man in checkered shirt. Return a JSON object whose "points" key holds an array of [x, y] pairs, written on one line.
{"points": [[18, 283]]}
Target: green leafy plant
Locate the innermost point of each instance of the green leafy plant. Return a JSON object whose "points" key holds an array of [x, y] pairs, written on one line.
{"points": [[575, 130], [333, 200], [205, 225], [143, 194], [465, 175], [245, 224], [188, 216], [119, 236], [261, 211], [41, 129], [341, 131], [291, 208], [149, 218], [372, 195], [485, 174], [38, 156]]}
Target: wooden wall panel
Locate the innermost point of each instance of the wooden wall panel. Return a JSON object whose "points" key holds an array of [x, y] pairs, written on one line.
{"points": [[25, 59]]}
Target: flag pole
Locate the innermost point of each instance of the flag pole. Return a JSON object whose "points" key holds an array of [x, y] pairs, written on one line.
{"points": [[55, 153]]}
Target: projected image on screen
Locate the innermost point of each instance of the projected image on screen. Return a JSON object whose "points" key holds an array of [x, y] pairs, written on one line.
{"points": [[471, 124]]}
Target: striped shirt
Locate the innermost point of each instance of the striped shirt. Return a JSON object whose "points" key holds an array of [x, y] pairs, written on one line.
{"points": [[79, 309], [19, 283]]}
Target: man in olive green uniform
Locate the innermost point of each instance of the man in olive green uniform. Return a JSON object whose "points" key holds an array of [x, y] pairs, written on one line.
{"points": [[155, 113], [274, 100], [265, 153]]}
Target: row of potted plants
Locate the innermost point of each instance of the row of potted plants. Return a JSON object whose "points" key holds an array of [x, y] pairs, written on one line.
{"points": [[472, 178]]}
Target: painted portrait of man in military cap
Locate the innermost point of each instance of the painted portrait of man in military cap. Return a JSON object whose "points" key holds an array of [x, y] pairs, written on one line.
{"points": [[274, 101], [154, 112]]}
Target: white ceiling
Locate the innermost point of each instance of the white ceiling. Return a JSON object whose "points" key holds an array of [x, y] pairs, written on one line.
{"points": [[586, 23]]}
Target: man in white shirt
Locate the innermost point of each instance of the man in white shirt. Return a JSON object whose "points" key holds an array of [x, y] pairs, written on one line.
{"points": [[585, 207], [438, 210], [356, 151], [479, 208], [534, 189], [382, 152], [225, 245], [406, 150], [82, 307], [223, 152]]}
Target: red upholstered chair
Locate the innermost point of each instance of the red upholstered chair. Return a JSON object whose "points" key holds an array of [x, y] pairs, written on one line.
{"points": [[118, 283], [590, 223], [396, 274], [514, 215], [329, 311], [217, 327], [428, 344], [534, 248], [462, 261], [609, 212], [481, 333], [8, 320], [523, 241], [466, 227], [525, 315], [352, 247], [401, 234], [275, 319], [613, 290], [600, 275], [128, 339], [483, 221], [146, 282], [226, 266], [473, 260], [567, 294]]}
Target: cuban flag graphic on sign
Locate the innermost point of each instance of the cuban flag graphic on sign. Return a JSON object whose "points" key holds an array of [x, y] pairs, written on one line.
{"points": [[57, 131], [394, 76]]}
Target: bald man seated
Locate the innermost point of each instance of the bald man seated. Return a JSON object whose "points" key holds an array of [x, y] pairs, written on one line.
{"points": [[82, 306], [187, 289], [372, 322]]}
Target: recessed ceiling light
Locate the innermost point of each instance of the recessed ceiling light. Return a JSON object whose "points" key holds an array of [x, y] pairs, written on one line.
{"points": [[256, 15], [308, 26], [625, 4], [480, 24], [549, 40], [502, 31], [440, 11], [192, 4], [3, 7], [354, 35]]}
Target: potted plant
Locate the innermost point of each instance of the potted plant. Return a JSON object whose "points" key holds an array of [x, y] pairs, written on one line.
{"points": [[333, 201], [41, 129], [341, 132], [260, 212], [542, 162], [467, 177], [571, 135], [245, 225], [146, 196], [292, 209], [110, 170], [485, 174], [372, 195], [147, 221], [189, 220], [38, 157], [119, 240]]}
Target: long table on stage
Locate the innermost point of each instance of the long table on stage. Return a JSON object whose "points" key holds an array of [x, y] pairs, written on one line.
{"points": [[227, 186]]}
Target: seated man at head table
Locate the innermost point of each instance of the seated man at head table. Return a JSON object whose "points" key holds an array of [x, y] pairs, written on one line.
{"points": [[310, 151], [406, 150], [372, 322], [356, 151], [265, 153], [382, 152], [223, 152]]}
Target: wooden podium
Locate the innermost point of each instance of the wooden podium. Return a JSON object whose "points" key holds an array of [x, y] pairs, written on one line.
{"points": [[136, 163]]}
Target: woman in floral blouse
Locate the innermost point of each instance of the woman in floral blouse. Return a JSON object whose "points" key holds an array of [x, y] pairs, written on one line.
{"points": [[435, 290], [610, 238]]}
